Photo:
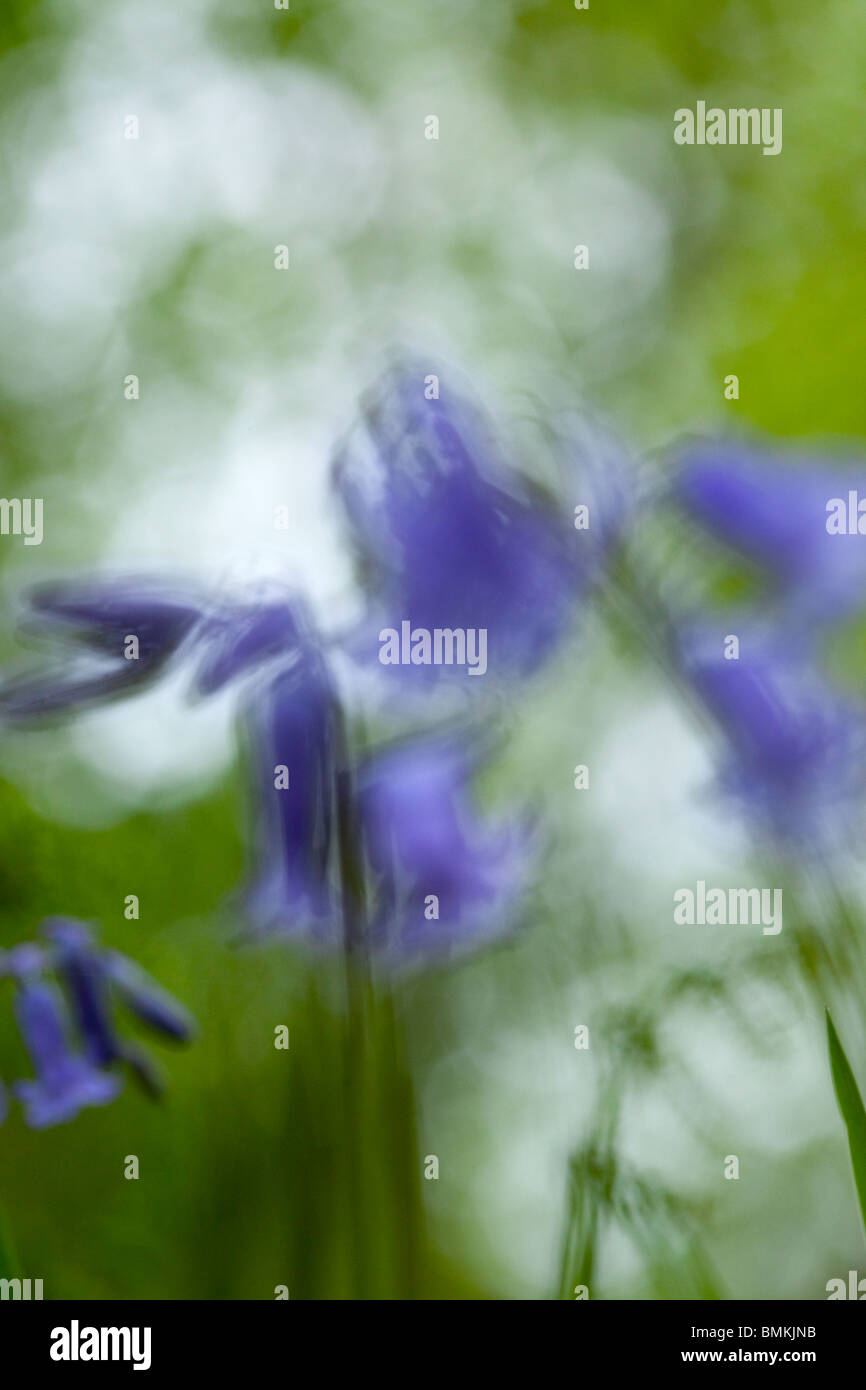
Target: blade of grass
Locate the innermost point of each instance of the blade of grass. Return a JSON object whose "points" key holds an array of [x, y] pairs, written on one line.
{"points": [[853, 1111]]}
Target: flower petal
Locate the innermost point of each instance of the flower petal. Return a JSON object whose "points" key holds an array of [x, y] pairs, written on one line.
{"points": [[104, 611], [450, 537], [80, 968], [146, 999], [244, 637], [793, 747], [295, 739], [774, 512], [446, 880], [65, 1083]]}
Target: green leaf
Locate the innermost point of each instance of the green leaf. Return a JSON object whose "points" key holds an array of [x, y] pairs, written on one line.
{"points": [[853, 1110]]}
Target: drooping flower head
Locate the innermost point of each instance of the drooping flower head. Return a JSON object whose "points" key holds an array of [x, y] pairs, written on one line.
{"points": [[453, 540], [71, 1034], [240, 637], [776, 513], [450, 536], [65, 1081], [123, 632], [793, 748], [446, 881], [294, 746], [794, 742], [340, 849]]}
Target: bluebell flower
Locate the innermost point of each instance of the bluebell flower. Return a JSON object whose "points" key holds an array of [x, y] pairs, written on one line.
{"points": [[775, 513], [68, 1080], [450, 537], [355, 859], [453, 540], [242, 637], [793, 748], [98, 617], [144, 998], [65, 1081], [294, 748], [102, 612], [80, 968], [446, 881], [94, 975]]}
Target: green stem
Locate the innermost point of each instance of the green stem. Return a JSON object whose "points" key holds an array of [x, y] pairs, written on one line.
{"points": [[403, 1172], [9, 1265], [356, 1040]]}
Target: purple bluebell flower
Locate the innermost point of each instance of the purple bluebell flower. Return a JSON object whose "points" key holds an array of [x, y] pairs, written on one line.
{"points": [[103, 612], [775, 513], [450, 537], [349, 859], [793, 747], [80, 968], [92, 975], [142, 996], [99, 616], [65, 1081], [446, 881], [295, 742], [241, 638]]}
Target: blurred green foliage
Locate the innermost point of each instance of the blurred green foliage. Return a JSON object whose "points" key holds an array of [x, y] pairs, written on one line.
{"points": [[251, 1167]]}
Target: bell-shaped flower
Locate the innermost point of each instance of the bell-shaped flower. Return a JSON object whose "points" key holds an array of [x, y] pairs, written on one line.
{"points": [[792, 519], [295, 738], [123, 632], [793, 748], [65, 1082], [79, 966], [451, 538], [94, 977], [244, 637], [445, 879]]}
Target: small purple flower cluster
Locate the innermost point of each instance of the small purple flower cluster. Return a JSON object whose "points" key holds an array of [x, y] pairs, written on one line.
{"points": [[796, 743], [383, 851], [67, 987]]}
